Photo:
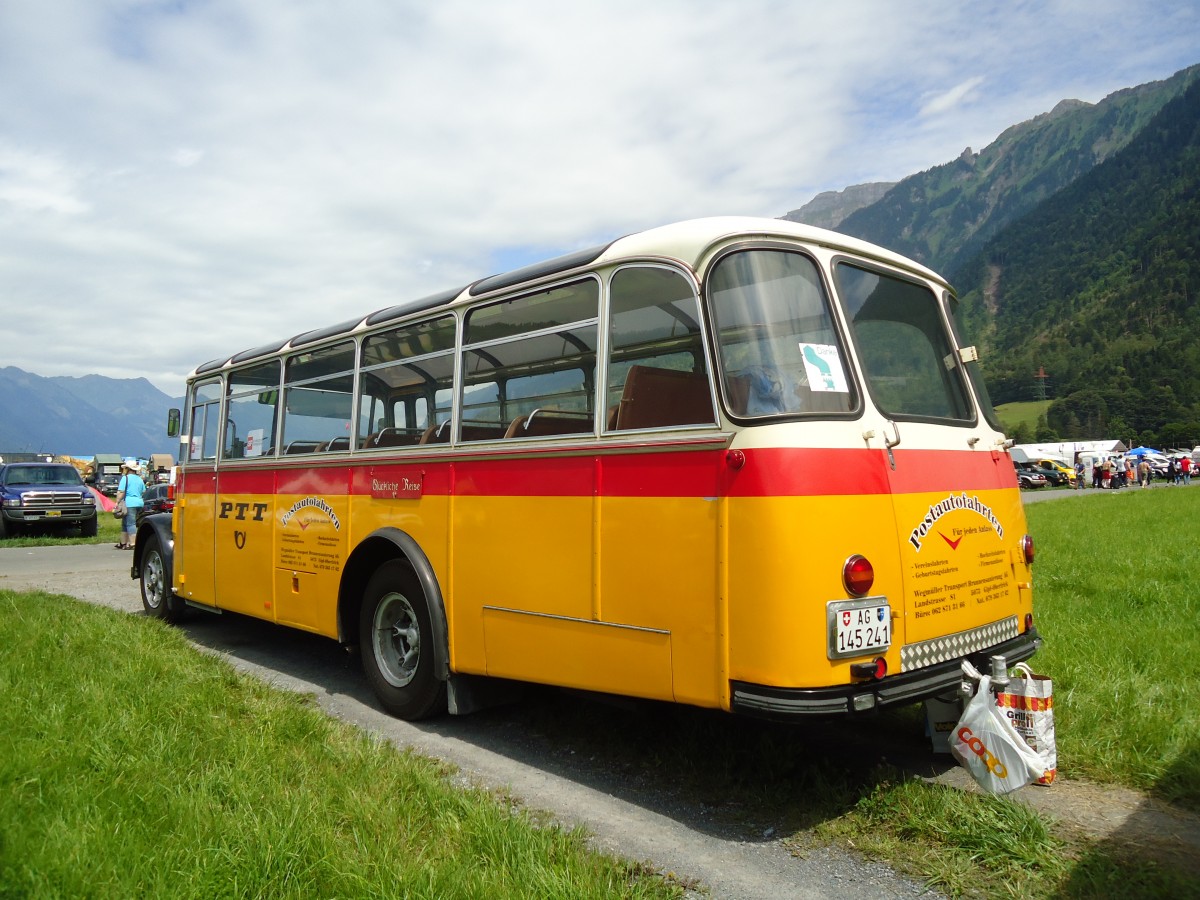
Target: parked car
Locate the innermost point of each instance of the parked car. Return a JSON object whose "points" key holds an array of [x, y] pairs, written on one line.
{"points": [[1029, 476], [1053, 475], [158, 498], [45, 496]]}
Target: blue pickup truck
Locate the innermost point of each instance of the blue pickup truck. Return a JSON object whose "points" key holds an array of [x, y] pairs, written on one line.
{"points": [[45, 496]]}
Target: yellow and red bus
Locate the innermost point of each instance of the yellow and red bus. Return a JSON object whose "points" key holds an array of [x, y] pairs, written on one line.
{"points": [[737, 463]]}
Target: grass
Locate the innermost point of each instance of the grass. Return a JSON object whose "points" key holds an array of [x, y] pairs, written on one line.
{"points": [[1020, 412], [1115, 597], [174, 748], [133, 765]]}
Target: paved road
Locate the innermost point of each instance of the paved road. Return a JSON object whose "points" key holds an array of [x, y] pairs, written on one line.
{"points": [[735, 856]]}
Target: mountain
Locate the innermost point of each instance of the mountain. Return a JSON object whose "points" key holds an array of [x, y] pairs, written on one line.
{"points": [[830, 209], [1098, 287], [943, 216], [83, 416]]}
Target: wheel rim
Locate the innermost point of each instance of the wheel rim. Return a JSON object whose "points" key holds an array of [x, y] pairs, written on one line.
{"points": [[153, 580], [396, 639]]}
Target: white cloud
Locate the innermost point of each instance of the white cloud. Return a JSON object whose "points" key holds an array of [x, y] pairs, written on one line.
{"points": [[228, 173], [948, 101]]}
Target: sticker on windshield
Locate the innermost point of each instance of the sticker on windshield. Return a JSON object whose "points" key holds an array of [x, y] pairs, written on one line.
{"points": [[823, 366]]}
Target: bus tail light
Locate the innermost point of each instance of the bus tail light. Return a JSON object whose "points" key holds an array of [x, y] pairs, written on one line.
{"points": [[1027, 549], [858, 575]]}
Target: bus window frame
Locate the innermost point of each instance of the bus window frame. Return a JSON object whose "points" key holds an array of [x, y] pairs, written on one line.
{"points": [[701, 337], [480, 347], [194, 387], [837, 315], [354, 343], [399, 395], [229, 398], [870, 265]]}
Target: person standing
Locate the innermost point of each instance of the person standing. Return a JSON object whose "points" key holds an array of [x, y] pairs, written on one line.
{"points": [[1185, 467], [1144, 473], [130, 489]]}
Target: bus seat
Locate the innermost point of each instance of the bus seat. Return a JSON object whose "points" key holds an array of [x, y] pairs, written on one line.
{"points": [[481, 431], [657, 398], [338, 443], [392, 437], [301, 447], [547, 422], [437, 433]]}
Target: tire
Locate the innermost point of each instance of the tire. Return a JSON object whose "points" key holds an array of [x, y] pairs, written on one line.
{"points": [[156, 588], [397, 646], [89, 527], [5, 528]]}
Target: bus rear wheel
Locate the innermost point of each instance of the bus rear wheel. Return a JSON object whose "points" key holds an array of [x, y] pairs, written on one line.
{"points": [[396, 639]]}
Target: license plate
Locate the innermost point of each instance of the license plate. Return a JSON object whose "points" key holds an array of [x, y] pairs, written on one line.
{"points": [[51, 513], [859, 627]]}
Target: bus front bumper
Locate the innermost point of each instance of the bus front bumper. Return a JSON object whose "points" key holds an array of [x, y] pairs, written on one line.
{"points": [[863, 696]]}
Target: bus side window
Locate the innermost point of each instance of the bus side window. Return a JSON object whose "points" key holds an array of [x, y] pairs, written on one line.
{"points": [[206, 421], [529, 353], [250, 412], [406, 383], [658, 371], [318, 400]]}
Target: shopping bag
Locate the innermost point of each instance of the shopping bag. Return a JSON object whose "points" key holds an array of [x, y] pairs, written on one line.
{"points": [[119, 510], [988, 746], [1028, 702]]}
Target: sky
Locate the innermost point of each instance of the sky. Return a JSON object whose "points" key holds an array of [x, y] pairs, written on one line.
{"points": [[181, 180]]}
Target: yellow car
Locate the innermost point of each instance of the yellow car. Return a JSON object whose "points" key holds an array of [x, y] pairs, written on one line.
{"points": [[1058, 466]]}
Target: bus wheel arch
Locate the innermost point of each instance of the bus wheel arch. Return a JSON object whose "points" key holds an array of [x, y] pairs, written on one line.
{"points": [[389, 579]]}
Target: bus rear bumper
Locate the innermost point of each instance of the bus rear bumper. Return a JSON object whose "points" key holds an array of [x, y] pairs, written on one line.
{"points": [[908, 687]]}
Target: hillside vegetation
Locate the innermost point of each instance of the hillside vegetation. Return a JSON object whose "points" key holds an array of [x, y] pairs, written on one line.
{"points": [[1074, 243]]}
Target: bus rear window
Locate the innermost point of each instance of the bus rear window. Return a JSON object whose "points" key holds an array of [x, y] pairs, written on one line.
{"points": [[911, 366], [780, 352]]}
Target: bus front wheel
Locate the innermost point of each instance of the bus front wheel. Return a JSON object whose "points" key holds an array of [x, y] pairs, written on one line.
{"points": [[156, 588], [396, 637]]}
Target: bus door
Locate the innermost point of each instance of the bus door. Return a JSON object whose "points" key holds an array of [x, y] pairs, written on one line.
{"points": [[194, 513], [957, 512]]}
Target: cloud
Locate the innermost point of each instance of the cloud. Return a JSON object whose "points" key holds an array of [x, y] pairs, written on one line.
{"points": [[950, 100], [218, 175]]}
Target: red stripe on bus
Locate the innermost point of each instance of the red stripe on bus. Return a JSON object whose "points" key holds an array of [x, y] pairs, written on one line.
{"points": [[775, 472]]}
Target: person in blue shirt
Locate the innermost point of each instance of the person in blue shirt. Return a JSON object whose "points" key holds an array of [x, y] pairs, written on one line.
{"points": [[130, 490]]}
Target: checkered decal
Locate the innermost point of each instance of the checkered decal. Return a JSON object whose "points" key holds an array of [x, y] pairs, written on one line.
{"points": [[927, 653]]}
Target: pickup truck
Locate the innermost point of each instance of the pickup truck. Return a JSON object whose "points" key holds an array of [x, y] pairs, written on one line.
{"points": [[45, 496]]}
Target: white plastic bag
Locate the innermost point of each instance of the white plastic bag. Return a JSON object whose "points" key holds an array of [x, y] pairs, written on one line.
{"points": [[986, 743], [1028, 702]]}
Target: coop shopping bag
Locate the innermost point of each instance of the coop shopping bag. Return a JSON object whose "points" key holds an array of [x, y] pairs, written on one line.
{"points": [[990, 748], [1028, 702]]}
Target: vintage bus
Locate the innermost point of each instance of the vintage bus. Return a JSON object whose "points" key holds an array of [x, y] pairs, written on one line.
{"points": [[737, 463]]}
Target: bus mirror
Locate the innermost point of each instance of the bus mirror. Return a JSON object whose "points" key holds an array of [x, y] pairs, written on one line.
{"points": [[172, 423]]}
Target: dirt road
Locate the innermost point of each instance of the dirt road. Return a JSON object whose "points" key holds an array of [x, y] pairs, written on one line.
{"points": [[523, 749]]}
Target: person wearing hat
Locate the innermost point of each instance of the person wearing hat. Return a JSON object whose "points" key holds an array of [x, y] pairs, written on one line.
{"points": [[129, 492]]}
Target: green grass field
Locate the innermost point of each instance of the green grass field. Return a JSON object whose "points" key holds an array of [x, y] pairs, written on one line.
{"points": [[131, 764]]}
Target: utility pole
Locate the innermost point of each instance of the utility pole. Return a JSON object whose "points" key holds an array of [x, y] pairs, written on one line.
{"points": [[1041, 377]]}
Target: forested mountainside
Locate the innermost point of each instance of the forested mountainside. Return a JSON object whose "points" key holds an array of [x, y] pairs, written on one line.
{"points": [[1098, 286], [943, 216]]}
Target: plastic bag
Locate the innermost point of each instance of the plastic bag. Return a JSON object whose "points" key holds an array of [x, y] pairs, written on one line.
{"points": [[1028, 702], [989, 747]]}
